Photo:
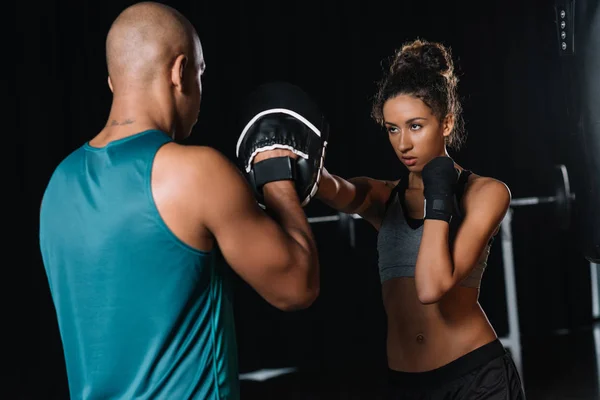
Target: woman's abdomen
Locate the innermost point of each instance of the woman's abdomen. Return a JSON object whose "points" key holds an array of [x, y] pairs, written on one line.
{"points": [[422, 337]]}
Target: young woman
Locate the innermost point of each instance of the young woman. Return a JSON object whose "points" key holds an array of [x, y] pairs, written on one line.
{"points": [[435, 228]]}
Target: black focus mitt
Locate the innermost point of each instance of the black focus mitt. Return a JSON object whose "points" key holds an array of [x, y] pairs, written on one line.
{"points": [[280, 115]]}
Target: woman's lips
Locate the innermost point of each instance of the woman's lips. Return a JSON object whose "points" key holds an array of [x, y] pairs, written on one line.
{"points": [[409, 161]]}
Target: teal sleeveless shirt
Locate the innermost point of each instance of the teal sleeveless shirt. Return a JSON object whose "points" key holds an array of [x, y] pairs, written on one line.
{"points": [[141, 314]]}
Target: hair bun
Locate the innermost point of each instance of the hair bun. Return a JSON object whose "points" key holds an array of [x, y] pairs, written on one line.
{"points": [[424, 55]]}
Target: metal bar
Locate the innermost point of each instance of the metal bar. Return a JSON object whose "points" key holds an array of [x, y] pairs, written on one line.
{"points": [[326, 218], [330, 218], [529, 201], [513, 340], [265, 374], [352, 233], [595, 294], [596, 331]]}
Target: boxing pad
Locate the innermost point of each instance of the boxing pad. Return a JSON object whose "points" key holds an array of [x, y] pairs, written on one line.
{"points": [[279, 115]]}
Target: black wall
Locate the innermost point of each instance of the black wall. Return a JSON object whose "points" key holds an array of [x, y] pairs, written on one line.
{"points": [[521, 109]]}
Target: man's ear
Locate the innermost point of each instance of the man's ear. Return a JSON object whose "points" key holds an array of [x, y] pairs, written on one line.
{"points": [[448, 125], [110, 85], [178, 71]]}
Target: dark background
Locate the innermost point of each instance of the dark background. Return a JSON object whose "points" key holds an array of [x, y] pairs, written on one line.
{"points": [[523, 115]]}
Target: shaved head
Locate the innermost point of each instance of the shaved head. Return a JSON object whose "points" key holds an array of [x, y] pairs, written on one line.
{"points": [[144, 41]]}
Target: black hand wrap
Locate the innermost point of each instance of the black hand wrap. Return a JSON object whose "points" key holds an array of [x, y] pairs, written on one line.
{"points": [[281, 116], [439, 181], [271, 170]]}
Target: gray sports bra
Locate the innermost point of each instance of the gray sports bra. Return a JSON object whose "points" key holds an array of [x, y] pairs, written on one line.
{"points": [[399, 237]]}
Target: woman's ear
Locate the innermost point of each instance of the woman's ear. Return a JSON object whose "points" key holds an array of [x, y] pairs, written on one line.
{"points": [[448, 125]]}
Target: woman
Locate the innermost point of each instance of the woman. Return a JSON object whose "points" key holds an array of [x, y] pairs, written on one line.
{"points": [[435, 228]]}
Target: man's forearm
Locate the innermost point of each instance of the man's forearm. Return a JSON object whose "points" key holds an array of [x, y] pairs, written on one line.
{"points": [[282, 202]]}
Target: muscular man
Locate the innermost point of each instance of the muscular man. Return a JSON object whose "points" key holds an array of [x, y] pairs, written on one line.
{"points": [[136, 231]]}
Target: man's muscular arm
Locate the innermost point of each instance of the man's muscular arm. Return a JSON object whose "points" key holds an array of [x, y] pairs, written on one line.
{"points": [[278, 259]]}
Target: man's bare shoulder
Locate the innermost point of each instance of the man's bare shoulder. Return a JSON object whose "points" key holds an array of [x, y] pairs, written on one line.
{"points": [[186, 154], [196, 179], [195, 163]]}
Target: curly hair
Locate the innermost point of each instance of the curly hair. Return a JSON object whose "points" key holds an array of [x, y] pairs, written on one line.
{"points": [[424, 70]]}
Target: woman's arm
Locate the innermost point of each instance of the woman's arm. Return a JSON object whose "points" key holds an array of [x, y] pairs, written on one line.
{"points": [[439, 268], [361, 195]]}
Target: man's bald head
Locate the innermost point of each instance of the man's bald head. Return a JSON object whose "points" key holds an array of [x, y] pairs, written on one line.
{"points": [[144, 41]]}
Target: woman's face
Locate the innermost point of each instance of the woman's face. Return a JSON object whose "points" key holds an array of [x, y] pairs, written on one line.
{"points": [[415, 133]]}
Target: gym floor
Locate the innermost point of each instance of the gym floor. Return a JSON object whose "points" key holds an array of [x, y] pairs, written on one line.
{"points": [[559, 366]]}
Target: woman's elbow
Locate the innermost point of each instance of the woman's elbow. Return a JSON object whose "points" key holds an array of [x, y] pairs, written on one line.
{"points": [[431, 292], [429, 296]]}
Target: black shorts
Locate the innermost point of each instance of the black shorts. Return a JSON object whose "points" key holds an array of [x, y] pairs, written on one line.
{"points": [[487, 373]]}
